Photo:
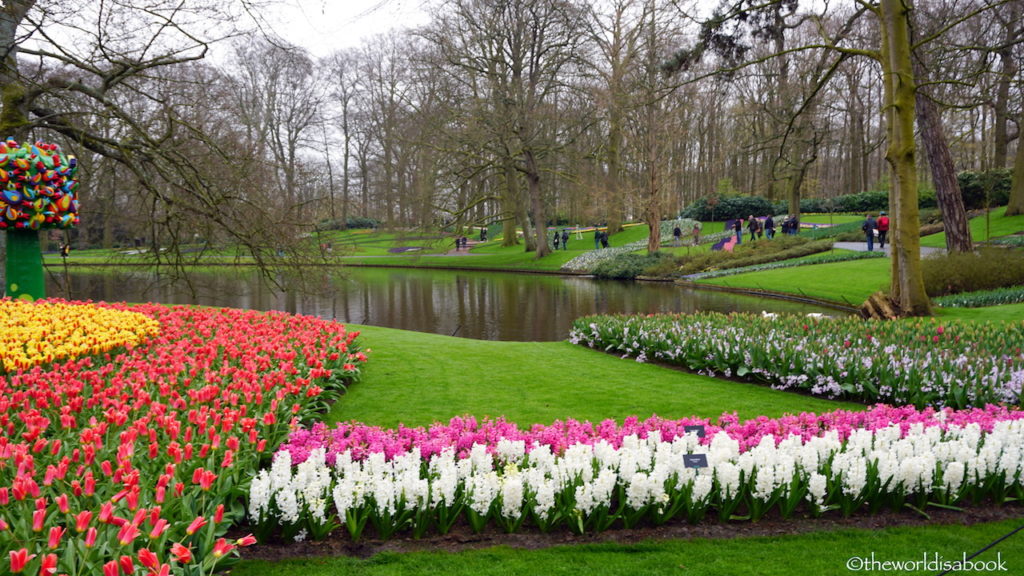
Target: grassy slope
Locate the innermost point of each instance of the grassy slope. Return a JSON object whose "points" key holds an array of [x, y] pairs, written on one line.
{"points": [[818, 553], [415, 379], [852, 282], [997, 224], [845, 282]]}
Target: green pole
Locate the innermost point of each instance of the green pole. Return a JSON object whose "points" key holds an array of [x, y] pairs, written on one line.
{"points": [[24, 265]]}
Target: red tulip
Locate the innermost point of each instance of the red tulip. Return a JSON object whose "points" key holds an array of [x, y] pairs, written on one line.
{"points": [[127, 534], [222, 547], [82, 520], [90, 537], [38, 518], [111, 569], [19, 558], [106, 512], [127, 564], [49, 565], [247, 540], [56, 533], [182, 553], [196, 524], [148, 559], [159, 528]]}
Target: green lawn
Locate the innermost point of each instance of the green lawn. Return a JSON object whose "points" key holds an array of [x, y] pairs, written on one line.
{"points": [[849, 283], [831, 219], [823, 553], [982, 228], [416, 379]]}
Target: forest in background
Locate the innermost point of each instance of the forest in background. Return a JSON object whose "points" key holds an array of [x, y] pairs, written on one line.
{"points": [[525, 112]]}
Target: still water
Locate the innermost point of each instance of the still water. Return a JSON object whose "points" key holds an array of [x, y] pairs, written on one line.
{"points": [[482, 305]]}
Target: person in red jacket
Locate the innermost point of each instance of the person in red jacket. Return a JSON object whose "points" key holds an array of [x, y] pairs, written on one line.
{"points": [[883, 228]]}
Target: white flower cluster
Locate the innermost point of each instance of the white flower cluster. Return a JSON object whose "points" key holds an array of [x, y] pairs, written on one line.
{"points": [[648, 475], [587, 261]]}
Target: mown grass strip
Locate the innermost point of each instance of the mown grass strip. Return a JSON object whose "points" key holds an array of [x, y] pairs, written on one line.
{"points": [[818, 553], [417, 379]]}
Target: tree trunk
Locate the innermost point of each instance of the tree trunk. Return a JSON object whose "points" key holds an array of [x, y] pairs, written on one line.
{"points": [[947, 189], [907, 281], [536, 202], [1007, 73], [1016, 204], [509, 203], [13, 101], [615, 207]]}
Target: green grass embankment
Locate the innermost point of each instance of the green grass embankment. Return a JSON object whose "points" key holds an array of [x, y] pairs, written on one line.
{"points": [[416, 379]]}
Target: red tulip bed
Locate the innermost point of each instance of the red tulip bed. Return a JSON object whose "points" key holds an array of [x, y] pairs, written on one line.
{"points": [[135, 456]]}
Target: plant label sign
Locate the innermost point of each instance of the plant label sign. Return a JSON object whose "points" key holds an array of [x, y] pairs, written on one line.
{"points": [[695, 460], [697, 429]]}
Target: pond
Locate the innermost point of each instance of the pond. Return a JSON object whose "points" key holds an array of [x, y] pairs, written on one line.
{"points": [[482, 305]]}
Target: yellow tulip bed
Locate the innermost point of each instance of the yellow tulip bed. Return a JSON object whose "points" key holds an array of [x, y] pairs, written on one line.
{"points": [[41, 333]]}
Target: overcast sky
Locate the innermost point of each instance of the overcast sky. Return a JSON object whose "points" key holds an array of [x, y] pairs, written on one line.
{"points": [[322, 26]]}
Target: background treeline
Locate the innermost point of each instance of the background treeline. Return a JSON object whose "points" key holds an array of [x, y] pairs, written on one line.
{"points": [[515, 111]]}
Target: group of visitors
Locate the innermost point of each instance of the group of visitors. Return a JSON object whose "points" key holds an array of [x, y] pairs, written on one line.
{"points": [[600, 238], [759, 228], [875, 230], [562, 236], [791, 225], [461, 242], [677, 235]]}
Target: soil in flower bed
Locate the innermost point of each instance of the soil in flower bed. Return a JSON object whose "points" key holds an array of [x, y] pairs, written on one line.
{"points": [[462, 538]]}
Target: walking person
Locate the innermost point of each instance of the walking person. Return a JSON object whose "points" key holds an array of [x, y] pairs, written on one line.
{"points": [[565, 239], [556, 239], [769, 227], [883, 229], [696, 233], [604, 239], [677, 236], [597, 238], [870, 229], [737, 227], [752, 227]]}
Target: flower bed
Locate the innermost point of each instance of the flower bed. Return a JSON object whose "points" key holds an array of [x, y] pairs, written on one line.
{"points": [[584, 478], [981, 298], [138, 461], [41, 333], [917, 362]]}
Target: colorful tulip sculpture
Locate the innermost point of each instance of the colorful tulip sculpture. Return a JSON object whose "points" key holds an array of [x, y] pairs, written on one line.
{"points": [[37, 192]]}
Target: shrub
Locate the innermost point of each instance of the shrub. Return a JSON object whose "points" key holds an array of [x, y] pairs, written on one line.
{"points": [[986, 269], [352, 222], [975, 186], [997, 297], [872, 201], [629, 266], [728, 208]]}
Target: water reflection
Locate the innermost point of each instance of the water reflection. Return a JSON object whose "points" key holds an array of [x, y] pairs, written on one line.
{"points": [[488, 306]]}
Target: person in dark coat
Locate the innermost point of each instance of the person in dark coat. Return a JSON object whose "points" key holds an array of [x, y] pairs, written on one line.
{"points": [[870, 228]]}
